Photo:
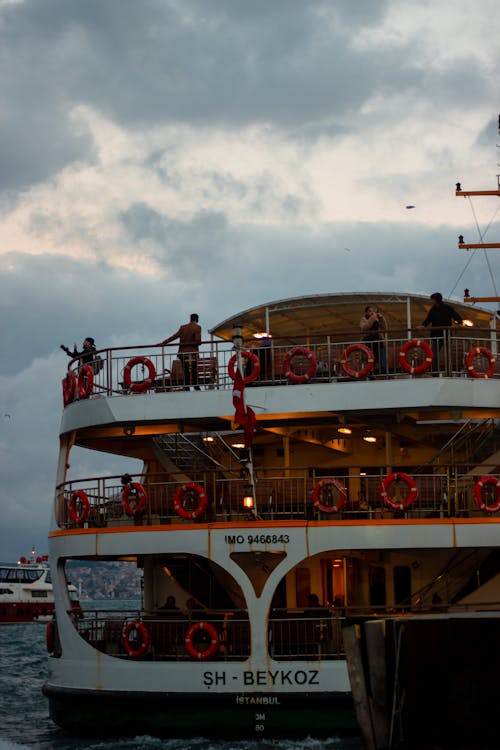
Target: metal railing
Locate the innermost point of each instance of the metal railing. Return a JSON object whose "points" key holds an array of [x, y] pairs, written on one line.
{"points": [[166, 633], [449, 492], [158, 368]]}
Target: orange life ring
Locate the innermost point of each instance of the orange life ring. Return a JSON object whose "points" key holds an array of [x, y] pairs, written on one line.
{"points": [[469, 362], [189, 489], [138, 386], [69, 387], [135, 645], [370, 360], [231, 366], [316, 495], [287, 364], [85, 381], [79, 496], [138, 491], [212, 634], [478, 494], [410, 483], [50, 636], [412, 344]]}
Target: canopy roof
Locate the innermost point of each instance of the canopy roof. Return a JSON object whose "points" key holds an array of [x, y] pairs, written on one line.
{"points": [[323, 314]]}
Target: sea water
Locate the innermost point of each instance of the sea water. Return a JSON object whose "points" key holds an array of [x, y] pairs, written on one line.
{"points": [[24, 714]]}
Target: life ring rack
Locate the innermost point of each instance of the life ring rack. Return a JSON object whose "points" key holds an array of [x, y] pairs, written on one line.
{"points": [[292, 376], [78, 497], [180, 494], [469, 362], [316, 495], [85, 381], [370, 360], [396, 477], [139, 644], [478, 494], [138, 491], [231, 366], [138, 386], [415, 344], [213, 645]]}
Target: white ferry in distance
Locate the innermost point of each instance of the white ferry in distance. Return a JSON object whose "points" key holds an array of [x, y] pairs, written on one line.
{"points": [[26, 592], [345, 479]]}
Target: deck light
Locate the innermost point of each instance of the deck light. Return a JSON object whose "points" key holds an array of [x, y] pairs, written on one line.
{"points": [[238, 445], [248, 500], [369, 438], [237, 336], [468, 323], [344, 430], [208, 439]]}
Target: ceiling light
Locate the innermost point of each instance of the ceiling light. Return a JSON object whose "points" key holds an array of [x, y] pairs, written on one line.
{"points": [[238, 445], [262, 335], [208, 439], [468, 323], [344, 430], [369, 438]]}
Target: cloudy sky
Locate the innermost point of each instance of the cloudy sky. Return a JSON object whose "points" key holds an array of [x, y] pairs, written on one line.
{"points": [[164, 156]]}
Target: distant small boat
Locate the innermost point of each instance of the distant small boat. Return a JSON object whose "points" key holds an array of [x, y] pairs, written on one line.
{"points": [[26, 593]]}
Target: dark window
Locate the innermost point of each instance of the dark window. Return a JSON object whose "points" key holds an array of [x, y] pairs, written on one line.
{"points": [[377, 586], [402, 585], [39, 594]]}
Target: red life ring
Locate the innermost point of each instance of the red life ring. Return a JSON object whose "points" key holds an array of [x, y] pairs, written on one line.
{"points": [[231, 366], [138, 386], [410, 483], [418, 344], [79, 496], [469, 362], [135, 645], [316, 495], [139, 493], [478, 494], [370, 360], [50, 636], [287, 362], [69, 387], [85, 381], [212, 634], [190, 489]]}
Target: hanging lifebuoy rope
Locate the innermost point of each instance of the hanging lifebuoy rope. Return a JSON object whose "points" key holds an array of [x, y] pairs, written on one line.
{"points": [[207, 634], [407, 364], [194, 493], [135, 639], [393, 502], [253, 358], [478, 494], [470, 362], [85, 381], [324, 487], [361, 349], [79, 506], [301, 351], [138, 386], [134, 498]]}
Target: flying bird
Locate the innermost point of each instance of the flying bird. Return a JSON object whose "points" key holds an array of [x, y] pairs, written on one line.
{"points": [[410, 206]]}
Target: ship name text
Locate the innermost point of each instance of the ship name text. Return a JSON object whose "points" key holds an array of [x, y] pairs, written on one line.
{"points": [[263, 677]]}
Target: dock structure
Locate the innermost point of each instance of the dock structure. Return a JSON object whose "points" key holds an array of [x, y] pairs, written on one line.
{"points": [[424, 682]]}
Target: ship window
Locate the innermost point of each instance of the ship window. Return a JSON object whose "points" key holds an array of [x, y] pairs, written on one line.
{"points": [[33, 575], [402, 585], [15, 575], [6, 591], [48, 577], [39, 594], [377, 586]]}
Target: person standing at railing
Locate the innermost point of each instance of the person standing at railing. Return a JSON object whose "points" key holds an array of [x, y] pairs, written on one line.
{"points": [[440, 316], [189, 336], [374, 326], [86, 355]]}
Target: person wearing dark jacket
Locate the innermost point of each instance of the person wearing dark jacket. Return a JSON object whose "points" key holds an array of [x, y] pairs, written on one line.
{"points": [[440, 316], [87, 353]]}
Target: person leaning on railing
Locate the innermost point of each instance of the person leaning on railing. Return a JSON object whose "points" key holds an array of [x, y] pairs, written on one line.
{"points": [[373, 324], [189, 336]]}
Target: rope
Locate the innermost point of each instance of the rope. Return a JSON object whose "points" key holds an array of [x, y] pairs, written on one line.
{"points": [[481, 238]]}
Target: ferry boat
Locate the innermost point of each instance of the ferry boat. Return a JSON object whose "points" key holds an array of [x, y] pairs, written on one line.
{"points": [[26, 593], [308, 484]]}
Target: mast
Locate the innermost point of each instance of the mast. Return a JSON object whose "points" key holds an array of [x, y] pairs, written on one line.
{"points": [[462, 245]]}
